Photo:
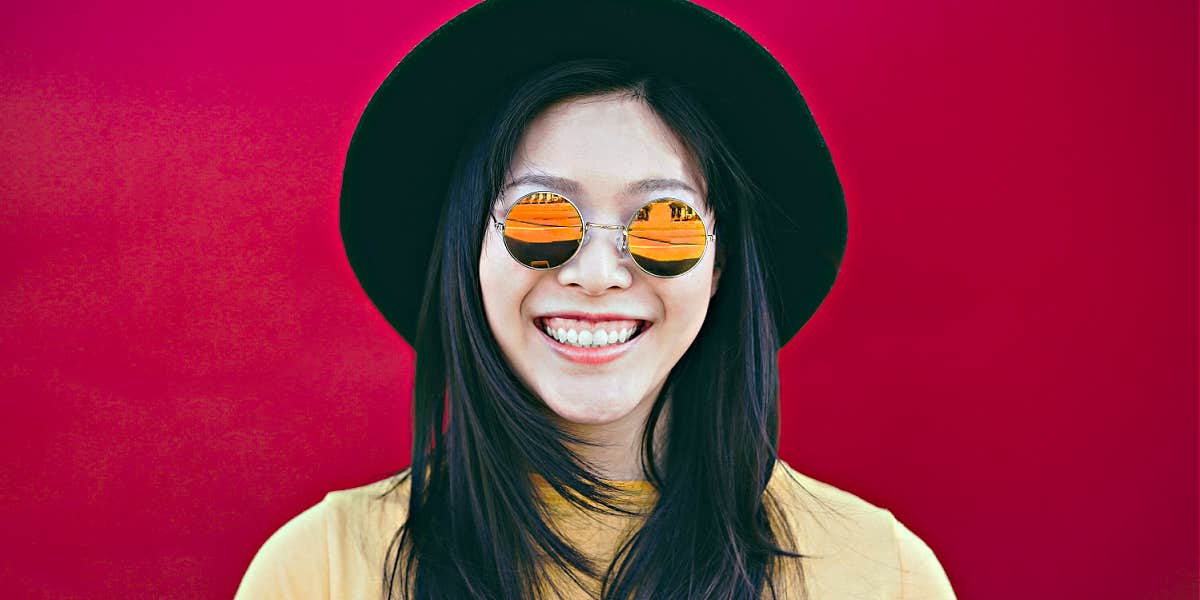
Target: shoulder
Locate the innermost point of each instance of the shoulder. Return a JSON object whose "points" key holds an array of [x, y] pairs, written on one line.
{"points": [[325, 550], [851, 545]]}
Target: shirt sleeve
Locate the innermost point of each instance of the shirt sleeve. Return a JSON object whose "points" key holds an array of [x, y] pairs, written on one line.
{"points": [[921, 576], [293, 563]]}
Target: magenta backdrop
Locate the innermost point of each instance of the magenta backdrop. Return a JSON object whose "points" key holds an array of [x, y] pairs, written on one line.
{"points": [[1008, 360]]}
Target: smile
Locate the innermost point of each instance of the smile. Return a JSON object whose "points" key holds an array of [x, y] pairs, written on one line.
{"points": [[590, 341]]}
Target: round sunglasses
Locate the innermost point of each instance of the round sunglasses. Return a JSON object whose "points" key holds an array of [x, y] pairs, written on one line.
{"points": [[545, 230]]}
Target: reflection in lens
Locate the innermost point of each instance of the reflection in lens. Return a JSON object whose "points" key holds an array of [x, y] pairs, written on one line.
{"points": [[543, 230], [666, 237]]}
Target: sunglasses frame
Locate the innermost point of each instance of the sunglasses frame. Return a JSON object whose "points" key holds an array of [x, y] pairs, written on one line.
{"points": [[709, 238]]}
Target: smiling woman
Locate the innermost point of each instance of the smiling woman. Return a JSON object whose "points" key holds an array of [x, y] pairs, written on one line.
{"points": [[621, 250]]}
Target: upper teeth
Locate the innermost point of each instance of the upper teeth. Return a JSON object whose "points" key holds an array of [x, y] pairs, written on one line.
{"points": [[590, 339]]}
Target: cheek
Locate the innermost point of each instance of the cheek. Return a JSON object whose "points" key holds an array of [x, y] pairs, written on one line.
{"points": [[687, 305], [491, 280], [504, 285]]}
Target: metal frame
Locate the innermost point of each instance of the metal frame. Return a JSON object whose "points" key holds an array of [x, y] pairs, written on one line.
{"points": [[624, 229]]}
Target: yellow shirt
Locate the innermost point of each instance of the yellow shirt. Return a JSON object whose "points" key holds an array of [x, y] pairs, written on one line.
{"points": [[336, 549]]}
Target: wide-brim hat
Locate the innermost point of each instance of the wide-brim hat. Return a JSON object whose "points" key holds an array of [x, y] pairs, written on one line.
{"points": [[400, 158]]}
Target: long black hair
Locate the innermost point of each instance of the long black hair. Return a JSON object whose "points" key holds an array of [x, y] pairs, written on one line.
{"points": [[476, 526]]}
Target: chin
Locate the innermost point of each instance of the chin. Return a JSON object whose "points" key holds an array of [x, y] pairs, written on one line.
{"points": [[591, 411]]}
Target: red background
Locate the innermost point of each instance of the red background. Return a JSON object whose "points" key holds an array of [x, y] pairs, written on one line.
{"points": [[1008, 360]]}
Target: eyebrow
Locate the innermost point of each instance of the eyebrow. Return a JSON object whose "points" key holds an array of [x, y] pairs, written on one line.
{"points": [[563, 185], [570, 187], [658, 185]]}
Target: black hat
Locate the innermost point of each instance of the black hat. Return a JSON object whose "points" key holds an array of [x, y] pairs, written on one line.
{"points": [[399, 162]]}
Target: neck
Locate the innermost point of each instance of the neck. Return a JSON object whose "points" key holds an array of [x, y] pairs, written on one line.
{"points": [[617, 453]]}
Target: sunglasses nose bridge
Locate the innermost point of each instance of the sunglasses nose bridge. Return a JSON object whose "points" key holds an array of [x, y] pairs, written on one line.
{"points": [[622, 241]]}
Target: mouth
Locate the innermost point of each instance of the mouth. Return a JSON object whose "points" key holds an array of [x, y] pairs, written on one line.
{"points": [[591, 340], [591, 333]]}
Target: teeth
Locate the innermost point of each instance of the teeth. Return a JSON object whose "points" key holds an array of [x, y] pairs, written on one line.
{"points": [[590, 339]]}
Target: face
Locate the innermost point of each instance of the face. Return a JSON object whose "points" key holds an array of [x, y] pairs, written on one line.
{"points": [[609, 155]]}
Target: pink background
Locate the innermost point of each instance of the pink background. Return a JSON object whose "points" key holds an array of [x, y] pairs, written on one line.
{"points": [[1008, 360]]}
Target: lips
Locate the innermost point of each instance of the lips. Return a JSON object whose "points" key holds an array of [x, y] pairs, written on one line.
{"points": [[590, 338]]}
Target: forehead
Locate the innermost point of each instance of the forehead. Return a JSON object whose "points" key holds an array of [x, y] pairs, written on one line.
{"points": [[607, 147]]}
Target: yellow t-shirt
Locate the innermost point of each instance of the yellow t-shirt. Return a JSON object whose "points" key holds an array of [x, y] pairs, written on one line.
{"points": [[336, 549]]}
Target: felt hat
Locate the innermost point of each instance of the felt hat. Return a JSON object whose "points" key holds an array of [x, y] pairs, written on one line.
{"points": [[411, 132]]}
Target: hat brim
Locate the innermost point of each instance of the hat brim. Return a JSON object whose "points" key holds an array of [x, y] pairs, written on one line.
{"points": [[401, 154]]}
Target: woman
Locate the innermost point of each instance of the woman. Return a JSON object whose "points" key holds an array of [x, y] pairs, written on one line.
{"points": [[597, 223]]}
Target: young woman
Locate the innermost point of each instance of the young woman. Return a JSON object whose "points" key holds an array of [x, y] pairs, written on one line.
{"points": [[597, 223]]}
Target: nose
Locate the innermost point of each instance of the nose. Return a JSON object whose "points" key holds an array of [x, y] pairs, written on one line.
{"points": [[600, 264]]}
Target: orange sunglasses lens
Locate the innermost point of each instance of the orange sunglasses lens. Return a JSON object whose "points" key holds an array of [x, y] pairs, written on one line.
{"points": [[667, 238], [543, 230]]}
